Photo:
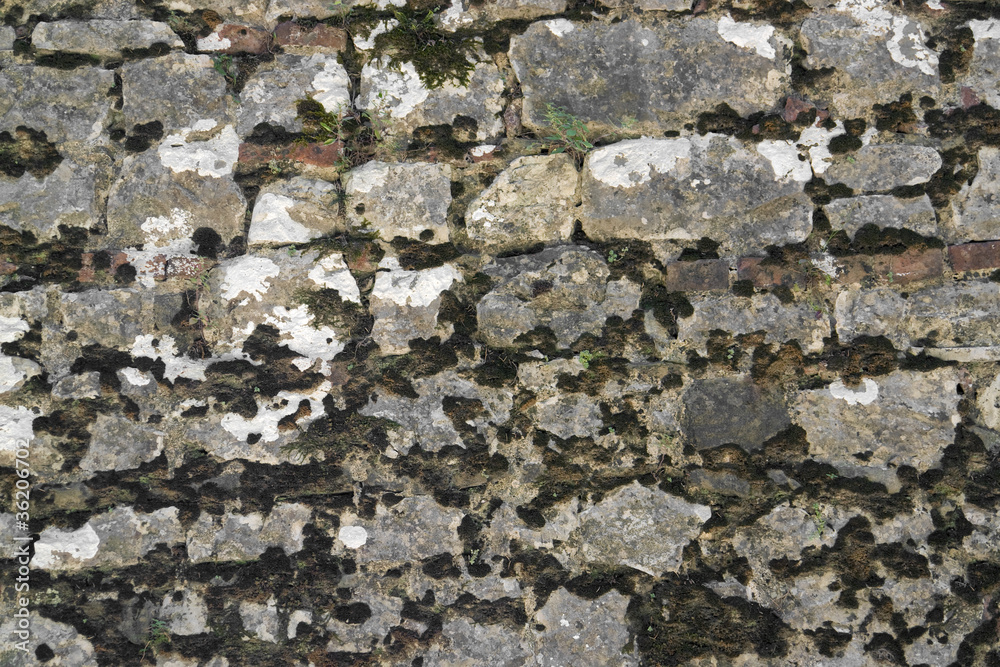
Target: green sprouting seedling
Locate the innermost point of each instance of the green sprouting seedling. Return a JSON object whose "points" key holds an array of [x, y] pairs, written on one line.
{"points": [[586, 356], [612, 257], [224, 65], [819, 520], [159, 635], [569, 133]]}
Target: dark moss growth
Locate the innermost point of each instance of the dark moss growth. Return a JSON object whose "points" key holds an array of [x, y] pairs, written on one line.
{"points": [[54, 261], [803, 77], [414, 255], [498, 369], [978, 125], [67, 60], [822, 194], [705, 248], [445, 140], [667, 307], [756, 127], [896, 116], [27, 151], [783, 293], [957, 54], [743, 288], [844, 143], [777, 12], [871, 240], [865, 356], [855, 127], [143, 135], [438, 56], [682, 620]]}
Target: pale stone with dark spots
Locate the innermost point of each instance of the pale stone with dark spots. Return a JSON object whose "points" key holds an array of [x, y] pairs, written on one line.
{"points": [[853, 213], [880, 167], [67, 196], [575, 631], [272, 93], [178, 90], [67, 105], [404, 199], [723, 411], [294, 211], [102, 38], [976, 207]]}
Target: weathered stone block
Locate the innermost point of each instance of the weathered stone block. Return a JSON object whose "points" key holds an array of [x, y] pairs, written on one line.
{"points": [[976, 208], [984, 70], [736, 411], [974, 256], [294, 211], [400, 199], [235, 38], [530, 202], [692, 187], [270, 96], [67, 105], [296, 38], [179, 90], [104, 39], [879, 167], [698, 276], [405, 304], [911, 266], [659, 74], [853, 213], [67, 196]]}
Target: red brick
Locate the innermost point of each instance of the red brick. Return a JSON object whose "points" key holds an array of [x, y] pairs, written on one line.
{"points": [[704, 274], [256, 156], [768, 275], [975, 256], [320, 36], [86, 272], [911, 266]]}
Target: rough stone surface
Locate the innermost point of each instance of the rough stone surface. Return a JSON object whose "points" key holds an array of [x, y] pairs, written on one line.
{"points": [[735, 411], [405, 304], [65, 197], [853, 213], [270, 96], [247, 536], [67, 105], [409, 104], [975, 208], [530, 202], [565, 288], [177, 90], [691, 187], [104, 39], [879, 167], [657, 74], [641, 528], [919, 320], [975, 256], [763, 312], [118, 444], [407, 200], [294, 211], [877, 56], [983, 73], [892, 420], [578, 631]]}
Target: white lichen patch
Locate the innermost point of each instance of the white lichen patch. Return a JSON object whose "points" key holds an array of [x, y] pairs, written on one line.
{"points": [[332, 272], [873, 16], [786, 161], [12, 328], [370, 175], [817, 141], [560, 27], [627, 164], [214, 42], [164, 347], [368, 43], [331, 85], [988, 29], [271, 222], [213, 157], [906, 46], [747, 35], [135, 377], [248, 275], [353, 537], [298, 333], [401, 91], [482, 150], [414, 289], [56, 547], [854, 397], [15, 427], [270, 412]]}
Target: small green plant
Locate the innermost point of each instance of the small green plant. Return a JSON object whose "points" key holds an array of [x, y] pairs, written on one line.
{"points": [[159, 636], [569, 133], [819, 520], [586, 357], [437, 55], [225, 66], [730, 353]]}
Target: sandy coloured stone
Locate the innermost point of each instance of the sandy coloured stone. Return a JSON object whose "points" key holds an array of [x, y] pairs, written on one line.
{"points": [[400, 199], [879, 167], [103, 38], [721, 411], [976, 207], [853, 213], [178, 90]]}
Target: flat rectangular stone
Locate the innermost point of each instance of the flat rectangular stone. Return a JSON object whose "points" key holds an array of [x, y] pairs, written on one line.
{"points": [[965, 314], [295, 37], [911, 266], [102, 38], [701, 275], [235, 38], [974, 256], [256, 156]]}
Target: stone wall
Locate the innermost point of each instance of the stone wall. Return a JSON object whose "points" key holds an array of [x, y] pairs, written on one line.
{"points": [[505, 332]]}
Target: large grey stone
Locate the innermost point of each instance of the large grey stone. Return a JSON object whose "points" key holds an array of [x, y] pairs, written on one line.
{"points": [[690, 187], [904, 418], [413, 529], [720, 411], [294, 211], [112, 539], [877, 56], [878, 167], [178, 90], [853, 213], [111, 318], [116, 443], [565, 288], [582, 632], [406, 103], [102, 38], [762, 312], [247, 536], [942, 316], [400, 199], [984, 70], [166, 194], [976, 208], [639, 527], [271, 94], [97, 9], [405, 304], [470, 643], [68, 196], [7, 38], [663, 73], [67, 105], [532, 201]]}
